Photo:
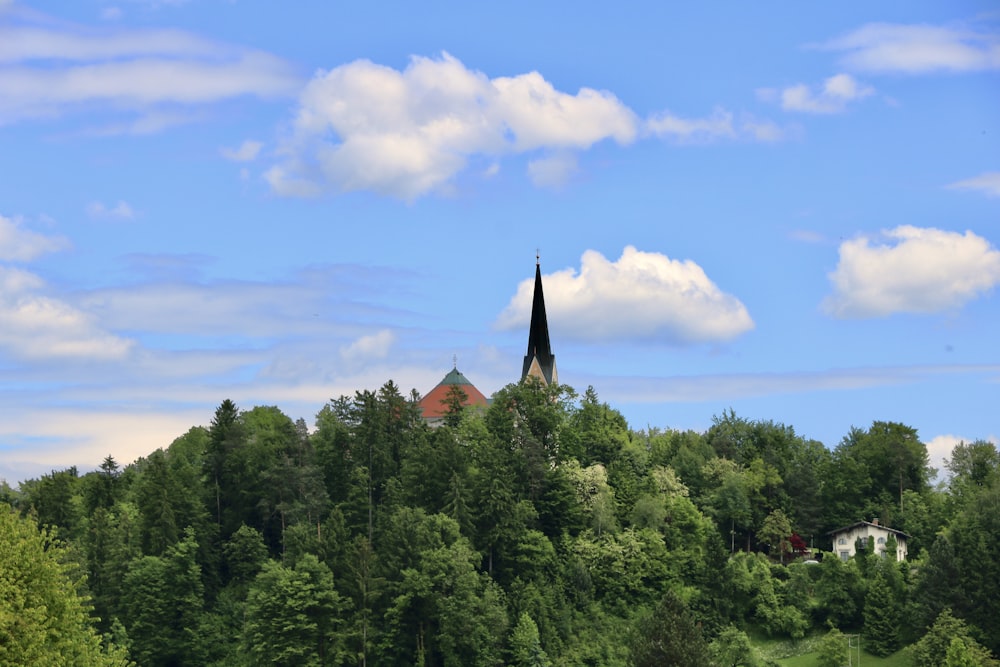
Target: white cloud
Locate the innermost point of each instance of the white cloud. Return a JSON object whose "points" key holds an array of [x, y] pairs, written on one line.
{"points": [[246, 152], [36, 326], [84, 437], [939, 450], [912, 270], [18, 244], [723, 387], [553, 171], [407, 133], [720, 125], [987, 183], [837, 92], [717, 126], [764, 131], [371, 346], [643, 295], [917, 49], [48, 71], [120, 211]]}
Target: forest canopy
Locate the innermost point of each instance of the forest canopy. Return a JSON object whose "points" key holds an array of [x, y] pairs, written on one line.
{"points": [[541, 530]]}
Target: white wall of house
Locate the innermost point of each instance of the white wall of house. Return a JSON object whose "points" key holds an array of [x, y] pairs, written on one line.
{"points": [[843, 541]]}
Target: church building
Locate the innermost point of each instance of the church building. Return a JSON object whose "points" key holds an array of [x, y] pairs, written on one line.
{"points": [[539, 363]]}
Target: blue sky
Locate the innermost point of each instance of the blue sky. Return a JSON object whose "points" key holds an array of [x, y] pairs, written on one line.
{"points": [[793, 214]]}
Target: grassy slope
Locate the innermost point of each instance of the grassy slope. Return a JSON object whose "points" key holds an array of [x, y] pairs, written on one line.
{"points": [[898, 659], [802, 653]]}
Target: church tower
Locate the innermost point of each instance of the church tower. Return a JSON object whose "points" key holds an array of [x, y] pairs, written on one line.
{"points": [[539, 362]]}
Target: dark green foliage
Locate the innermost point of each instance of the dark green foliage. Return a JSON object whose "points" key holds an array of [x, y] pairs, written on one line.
{"points": [[975, 534], [882, 614], [163, 601], [839, 593], [871, 471], [539, 531], [937, 586], [669, 635]]}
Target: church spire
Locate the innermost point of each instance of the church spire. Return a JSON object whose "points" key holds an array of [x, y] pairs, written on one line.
{"points": [[539, 361]]}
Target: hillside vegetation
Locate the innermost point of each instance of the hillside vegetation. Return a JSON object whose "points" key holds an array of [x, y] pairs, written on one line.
{"points": [[540, 531]]}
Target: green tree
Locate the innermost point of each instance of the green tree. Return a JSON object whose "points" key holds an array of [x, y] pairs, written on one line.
{"points": [[440, 609], [225, 437], [163, 601], [937, 585], [301, 604], [975, 532], [670, 635], [775, 531], [882, 613], [525, 647], [43, 617], [936, 647], [732, 648], [833, 649], [839, 592]]}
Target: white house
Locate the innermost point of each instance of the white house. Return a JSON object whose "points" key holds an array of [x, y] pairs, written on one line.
{"points": [[844, 539]]}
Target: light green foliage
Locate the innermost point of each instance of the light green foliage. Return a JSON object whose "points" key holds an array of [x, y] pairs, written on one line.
{"points": [[525, 647], [833, 649], [626, 568], [973, 467], [294, 616], [595, 432], [538, 531], [43, 619], [775, 531], [732, 648], [949, 640]]}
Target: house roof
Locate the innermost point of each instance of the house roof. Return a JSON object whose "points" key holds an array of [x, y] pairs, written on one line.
{"points": [[539, 347], [433, 404], [867, 523]]}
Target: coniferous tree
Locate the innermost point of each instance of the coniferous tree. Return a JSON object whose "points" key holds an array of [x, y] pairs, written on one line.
{"points": [[670, 635], [882, 613]]}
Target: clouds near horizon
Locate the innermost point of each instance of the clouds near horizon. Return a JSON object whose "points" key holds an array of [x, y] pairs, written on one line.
{"points": [[641, 296], [911, 270]]}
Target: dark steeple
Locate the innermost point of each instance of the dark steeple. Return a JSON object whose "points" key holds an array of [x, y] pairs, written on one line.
{"points": [[539, 361]]}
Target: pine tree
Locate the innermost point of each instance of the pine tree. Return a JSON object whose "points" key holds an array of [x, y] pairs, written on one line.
{"points": [[882, 614]]}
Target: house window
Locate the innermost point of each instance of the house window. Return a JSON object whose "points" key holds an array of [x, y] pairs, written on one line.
{"points": [[842, 541], [845, 555], [881, 540]]}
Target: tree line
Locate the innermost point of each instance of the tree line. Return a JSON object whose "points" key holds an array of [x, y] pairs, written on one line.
{"points": [[542, 530]]}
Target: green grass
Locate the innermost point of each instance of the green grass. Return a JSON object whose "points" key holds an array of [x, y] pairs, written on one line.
{"points": [[897, 659]]}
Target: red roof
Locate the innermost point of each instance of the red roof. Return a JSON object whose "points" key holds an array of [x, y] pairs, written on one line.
{"points": [[434, 406]]}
